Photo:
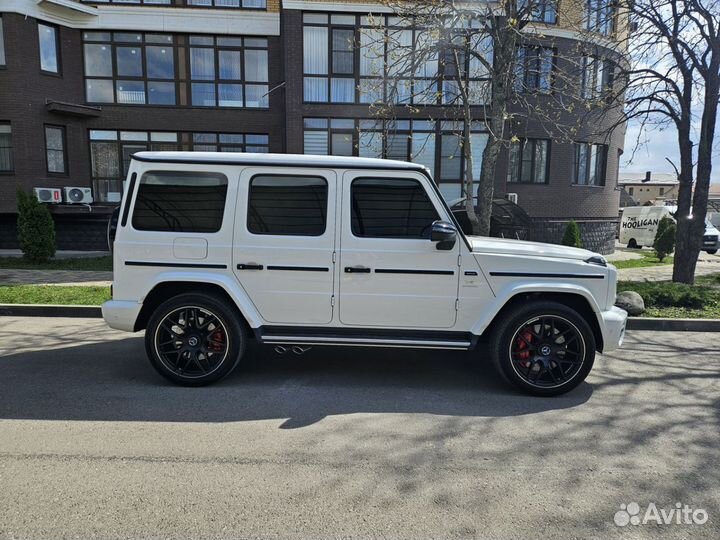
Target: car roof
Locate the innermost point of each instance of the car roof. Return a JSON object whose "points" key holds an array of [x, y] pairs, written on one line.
{"points": [[291, 160]]}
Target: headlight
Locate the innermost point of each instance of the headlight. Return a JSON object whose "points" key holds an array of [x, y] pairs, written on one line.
{"points": [[597, 260]]}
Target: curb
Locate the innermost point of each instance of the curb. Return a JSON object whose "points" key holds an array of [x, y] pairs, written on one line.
{"points": [[673, 325], [94, 312], [49, 310]]}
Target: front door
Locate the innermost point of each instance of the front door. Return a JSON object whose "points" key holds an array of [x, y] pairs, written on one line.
{"points": [[284, 243], [391, 274]]}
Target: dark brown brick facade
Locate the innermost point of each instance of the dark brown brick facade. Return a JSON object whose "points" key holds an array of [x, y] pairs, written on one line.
{"points": [[24, 92]]}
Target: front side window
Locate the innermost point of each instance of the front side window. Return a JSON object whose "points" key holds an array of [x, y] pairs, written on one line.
{"points": [[189, 202], [6, 153], [287, 205], [49, 48], [590, 164], [533, 69], [528, 161], [390, 208], [55, 156]]}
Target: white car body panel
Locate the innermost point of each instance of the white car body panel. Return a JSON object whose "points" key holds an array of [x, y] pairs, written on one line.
{"points": [[477, 277]]}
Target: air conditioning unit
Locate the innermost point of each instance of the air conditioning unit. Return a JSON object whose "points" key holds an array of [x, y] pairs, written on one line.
{"points": [[512, 197], [78, 195], [48, 195]]}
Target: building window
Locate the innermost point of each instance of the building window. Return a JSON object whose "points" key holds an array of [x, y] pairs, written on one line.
{"points": [[111, 152], [631, 191], [533, 69], [129, 68], [147, 2], [229, 72], [529, 161], [2, 44], [348, 59], [598, 77], [661, 192], [539, 10], [434, 144], [49, 48], [55, 153], [590, 164], [390, 208], [6, 150], [139, 69], [180, 202], [601, 16], [224, 4], [287, 205]]}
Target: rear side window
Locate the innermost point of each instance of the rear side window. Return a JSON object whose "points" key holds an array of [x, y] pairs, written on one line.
{"points": [[391, 208], [287, 205], [180, 202]]}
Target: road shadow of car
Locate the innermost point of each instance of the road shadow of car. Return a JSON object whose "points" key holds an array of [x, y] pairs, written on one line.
{"points": [[113, 381]]}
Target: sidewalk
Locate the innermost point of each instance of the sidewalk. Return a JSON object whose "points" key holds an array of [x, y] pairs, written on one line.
{"points": [[55, 277], [58, 254], [664, 273]]}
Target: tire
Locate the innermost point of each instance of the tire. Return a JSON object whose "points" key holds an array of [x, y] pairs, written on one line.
{"points": [[711, 251], [195, 339], [529, 330], [632, 244]]}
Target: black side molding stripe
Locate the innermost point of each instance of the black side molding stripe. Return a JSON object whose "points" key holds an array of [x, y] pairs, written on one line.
{"points": [[408, 271], [300, 268], [544, 275], [175, 265]]}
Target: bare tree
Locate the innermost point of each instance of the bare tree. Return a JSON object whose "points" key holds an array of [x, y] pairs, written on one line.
{"points": [[477, 77], [674, 80]]}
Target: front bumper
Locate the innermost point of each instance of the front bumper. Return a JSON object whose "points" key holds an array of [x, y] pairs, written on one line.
{"points": [[614, 322], [121, 314]]}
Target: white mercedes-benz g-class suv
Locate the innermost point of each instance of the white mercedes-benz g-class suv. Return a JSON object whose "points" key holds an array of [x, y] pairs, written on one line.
{"points": [[214, 249]]}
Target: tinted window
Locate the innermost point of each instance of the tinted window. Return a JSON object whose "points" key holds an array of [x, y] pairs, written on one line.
{"points": [[391, 208], [180, 202], [287, 205]]}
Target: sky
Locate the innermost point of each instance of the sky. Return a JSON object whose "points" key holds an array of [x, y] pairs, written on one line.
{"points": [[656, 146]]}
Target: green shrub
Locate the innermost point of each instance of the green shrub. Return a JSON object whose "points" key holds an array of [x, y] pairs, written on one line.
{"points": [[664, 243], [572, 235], [36, 229], [663, 294]]}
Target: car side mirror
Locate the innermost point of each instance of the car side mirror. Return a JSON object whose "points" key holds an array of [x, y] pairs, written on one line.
{"points": [[445, 234]]}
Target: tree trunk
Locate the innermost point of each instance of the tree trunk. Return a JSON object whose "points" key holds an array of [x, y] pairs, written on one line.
{"points": [[685, 256], [468, 184]]}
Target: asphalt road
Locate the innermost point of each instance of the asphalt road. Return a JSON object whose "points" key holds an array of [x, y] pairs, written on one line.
{"points": [[347, 443]]}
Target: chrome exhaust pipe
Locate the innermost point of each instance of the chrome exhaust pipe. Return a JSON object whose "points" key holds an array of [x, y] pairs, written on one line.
{"points": [[297, 349], [281, 349]]}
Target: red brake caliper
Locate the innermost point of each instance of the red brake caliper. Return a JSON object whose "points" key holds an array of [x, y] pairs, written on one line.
{"points": [[218, 340], [522, 345]]}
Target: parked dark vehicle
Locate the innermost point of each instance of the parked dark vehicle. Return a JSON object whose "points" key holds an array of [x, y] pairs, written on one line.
{"points": [[508, 220]]}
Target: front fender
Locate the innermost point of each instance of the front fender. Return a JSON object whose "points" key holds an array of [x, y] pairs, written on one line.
{"points": [[510, 290]]}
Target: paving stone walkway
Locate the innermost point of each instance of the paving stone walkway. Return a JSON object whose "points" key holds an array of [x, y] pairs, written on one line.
{"points": [[55, 277], [664, 273]]}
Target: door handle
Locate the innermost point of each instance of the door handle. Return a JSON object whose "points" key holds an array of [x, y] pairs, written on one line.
{"points": [[357, 270], [250, 266]]}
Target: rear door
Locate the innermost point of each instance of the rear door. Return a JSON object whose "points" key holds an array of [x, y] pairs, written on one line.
{"points": [[391, 274], [284, 243]]}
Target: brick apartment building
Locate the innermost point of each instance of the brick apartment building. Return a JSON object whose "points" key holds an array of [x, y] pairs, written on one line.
{"points": [[83, 85]]}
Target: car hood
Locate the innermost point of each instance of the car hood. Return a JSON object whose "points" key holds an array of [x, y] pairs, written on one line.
{"points": [[484, 244]]}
